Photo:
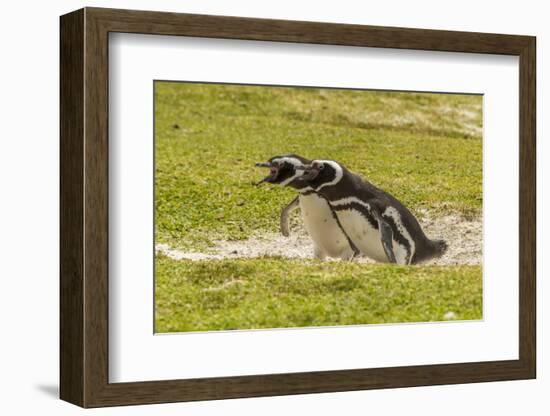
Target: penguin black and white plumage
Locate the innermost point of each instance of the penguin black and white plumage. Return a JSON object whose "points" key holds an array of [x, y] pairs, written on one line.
{"points": [[320, 221], [378, 224]]}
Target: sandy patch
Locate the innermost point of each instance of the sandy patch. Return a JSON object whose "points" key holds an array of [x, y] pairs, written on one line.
{"points": [[463, 236]]}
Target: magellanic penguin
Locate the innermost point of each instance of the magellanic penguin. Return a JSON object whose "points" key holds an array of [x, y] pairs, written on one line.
{"points": [[378, 224], [320, 221]]}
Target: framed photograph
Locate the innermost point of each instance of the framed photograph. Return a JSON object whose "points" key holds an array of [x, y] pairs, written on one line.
{"points": [[254, 207]]}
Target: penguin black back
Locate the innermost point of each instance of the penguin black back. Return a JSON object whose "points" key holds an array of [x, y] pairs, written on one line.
{"points": [[348, 191]]}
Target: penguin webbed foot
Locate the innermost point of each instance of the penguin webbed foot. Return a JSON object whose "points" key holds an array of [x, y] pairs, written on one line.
{"points": [[354, 255]]}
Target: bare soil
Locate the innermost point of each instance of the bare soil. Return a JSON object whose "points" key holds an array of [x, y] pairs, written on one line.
{"points": [[463, 236]]}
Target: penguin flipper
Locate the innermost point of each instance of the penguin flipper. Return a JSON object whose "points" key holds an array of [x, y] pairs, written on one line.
{"points": [[386, 237], [285, 216]]}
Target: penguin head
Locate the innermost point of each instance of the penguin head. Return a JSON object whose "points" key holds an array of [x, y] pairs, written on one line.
{"points": [[320, 173], [284, 170]]}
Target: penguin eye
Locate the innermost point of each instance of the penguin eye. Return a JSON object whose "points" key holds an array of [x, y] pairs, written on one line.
{"points": [[321, 166]]}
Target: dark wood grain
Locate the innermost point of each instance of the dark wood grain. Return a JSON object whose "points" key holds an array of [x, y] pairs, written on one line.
{"points": [[84, 207], [96, 208], [226, 27], [527, 207], [71, 185]]}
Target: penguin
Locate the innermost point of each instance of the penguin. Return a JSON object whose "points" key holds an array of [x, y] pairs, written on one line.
{"points": [[380, 226], [320, 221]]}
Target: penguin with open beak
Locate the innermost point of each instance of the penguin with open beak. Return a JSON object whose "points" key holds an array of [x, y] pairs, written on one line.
{"points": [[320, 222], [379, 225]]}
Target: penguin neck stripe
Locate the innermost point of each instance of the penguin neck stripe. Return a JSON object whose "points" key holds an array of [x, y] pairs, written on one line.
{"points": [[349, 200], [338, 174], [292, 160], [288, 180]]}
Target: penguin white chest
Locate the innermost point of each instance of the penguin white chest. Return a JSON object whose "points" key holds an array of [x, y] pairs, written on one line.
{"points": [[323, 228], [365, 237]]}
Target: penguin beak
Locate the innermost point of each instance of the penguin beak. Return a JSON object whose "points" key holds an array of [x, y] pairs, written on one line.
{"points": [[273, 172]]}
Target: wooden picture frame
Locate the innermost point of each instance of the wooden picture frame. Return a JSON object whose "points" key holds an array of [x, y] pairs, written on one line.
{"points": [[84, 207]]}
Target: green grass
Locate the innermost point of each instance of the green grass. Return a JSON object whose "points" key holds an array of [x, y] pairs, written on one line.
{"points": [[425, 149], [272, 293]]}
